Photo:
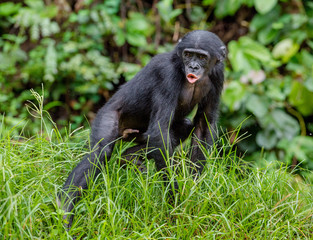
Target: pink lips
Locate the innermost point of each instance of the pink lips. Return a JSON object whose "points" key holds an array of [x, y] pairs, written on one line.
{"points": [[192, 78]]}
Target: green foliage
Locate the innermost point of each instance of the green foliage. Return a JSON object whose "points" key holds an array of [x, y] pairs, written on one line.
{"points": [[137, 29], [246, 55], [271, 77], [166, 10], [300, 97], [82, 53], [265, 6], [9, 8], [299, 148]]}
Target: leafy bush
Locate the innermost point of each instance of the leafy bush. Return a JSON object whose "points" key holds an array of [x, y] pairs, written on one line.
{"points": [[273, 83], [82, 53]]}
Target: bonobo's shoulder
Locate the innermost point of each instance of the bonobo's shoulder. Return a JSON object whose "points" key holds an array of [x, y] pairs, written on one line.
{"points": [[162, 63], [162, 58], [159, 68], [163, 55]]}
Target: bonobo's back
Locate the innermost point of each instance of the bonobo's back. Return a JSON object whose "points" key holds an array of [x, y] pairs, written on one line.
{"points": [[156, 78]]}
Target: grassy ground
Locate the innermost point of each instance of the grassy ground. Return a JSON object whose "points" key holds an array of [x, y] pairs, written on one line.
{"points": [[230, 200]]}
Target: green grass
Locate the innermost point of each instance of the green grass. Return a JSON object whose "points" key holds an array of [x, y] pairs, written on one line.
{"points": [[230, 200]]}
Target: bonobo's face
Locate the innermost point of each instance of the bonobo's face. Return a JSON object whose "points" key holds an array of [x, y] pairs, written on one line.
{"points": [[200, 52], [197, 63]]}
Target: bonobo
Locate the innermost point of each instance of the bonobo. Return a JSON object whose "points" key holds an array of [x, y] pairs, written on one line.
{"points": [[151, 110]]}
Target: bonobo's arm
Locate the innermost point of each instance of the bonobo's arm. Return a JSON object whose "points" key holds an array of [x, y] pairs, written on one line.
{"points": [[160, 138], [158, 133], [204, 132]]}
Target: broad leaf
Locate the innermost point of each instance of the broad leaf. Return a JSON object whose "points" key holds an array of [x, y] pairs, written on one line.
{"points": [[264, 6], [301, 98], [258, 105], [266, 138]]}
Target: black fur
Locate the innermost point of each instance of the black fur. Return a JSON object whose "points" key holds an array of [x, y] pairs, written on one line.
{"points": [[154, 103]]}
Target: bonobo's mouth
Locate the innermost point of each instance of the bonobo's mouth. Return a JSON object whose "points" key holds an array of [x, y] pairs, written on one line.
{"points": [[192, 78]]}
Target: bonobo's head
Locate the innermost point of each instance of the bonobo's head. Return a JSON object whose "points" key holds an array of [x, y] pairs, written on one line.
{"points": [[200, 52]]}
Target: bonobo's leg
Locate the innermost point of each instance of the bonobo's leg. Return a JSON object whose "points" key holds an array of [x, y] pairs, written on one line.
{"points": [[104, 133], [178, 132], [159, 155], [204, 134], [135, 155]]}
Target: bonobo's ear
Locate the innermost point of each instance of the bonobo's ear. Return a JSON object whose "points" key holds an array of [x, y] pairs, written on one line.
{"points": [[223, 55]]}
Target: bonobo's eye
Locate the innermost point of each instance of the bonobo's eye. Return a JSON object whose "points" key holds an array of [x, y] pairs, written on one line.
{"points": [[202, 57], [187, 54]]}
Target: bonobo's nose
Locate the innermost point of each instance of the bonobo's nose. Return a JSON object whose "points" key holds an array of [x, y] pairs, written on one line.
{"points": [[194, 66]]}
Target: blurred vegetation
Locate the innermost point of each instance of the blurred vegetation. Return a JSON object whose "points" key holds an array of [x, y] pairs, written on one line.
{"points": [[81, 51]]}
